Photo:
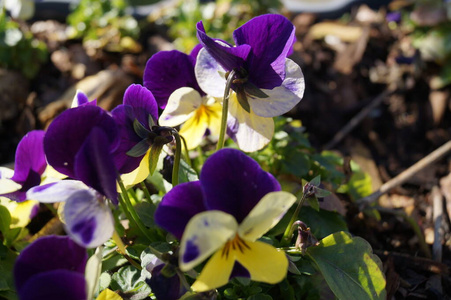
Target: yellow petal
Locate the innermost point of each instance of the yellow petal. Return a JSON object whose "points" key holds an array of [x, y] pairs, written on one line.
{"points": [[216, 272], [265, 215], [108, 294], [205, 233], [138, 175], [264, 262], [20, 217], [205, 116], [51, 175], [251, 132], [181, 105]]}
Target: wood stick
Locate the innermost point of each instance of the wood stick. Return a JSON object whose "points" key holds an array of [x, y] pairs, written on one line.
{"points": [[405, 175]]}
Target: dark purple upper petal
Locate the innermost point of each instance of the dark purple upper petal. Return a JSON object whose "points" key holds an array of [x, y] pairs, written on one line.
{"points": [[53, 285], [124, 117], [178, 206], [47, 254], [271, 38], [30, 156], [95, 167], [228, 57], [234, 183], [167, 71], [163, 287], [143, 103], [68, 132]]}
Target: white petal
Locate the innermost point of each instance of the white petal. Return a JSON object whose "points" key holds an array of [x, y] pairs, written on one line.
{"points": [[209, 74], [8, 186], [89, 222], [283, 98], [249, 131], [59, 191], [205, 233], [265, 215], [181, 105]]}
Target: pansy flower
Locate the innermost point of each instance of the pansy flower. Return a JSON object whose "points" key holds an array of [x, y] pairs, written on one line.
{"points": [[223, 214], [170, 75], [51, 267], [79, 143], [265, 81], [137, 118]]}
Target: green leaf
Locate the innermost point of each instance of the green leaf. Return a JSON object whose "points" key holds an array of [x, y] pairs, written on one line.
{"points": [[359, 185], [155, 151], [6, 270], [186, 173], [296, 163], [5, 219], [146, 211], [140, 130], [127, 279], [313, 202], [139, 149], [350, 268], [322, 222]]}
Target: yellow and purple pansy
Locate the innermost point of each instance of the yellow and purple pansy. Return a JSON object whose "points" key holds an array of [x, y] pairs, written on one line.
{"points": [[224, 213]]}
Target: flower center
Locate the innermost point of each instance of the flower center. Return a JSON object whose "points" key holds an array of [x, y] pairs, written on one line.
{"points": [[235, 244]]}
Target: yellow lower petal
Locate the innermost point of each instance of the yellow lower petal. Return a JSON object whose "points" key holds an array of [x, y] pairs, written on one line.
{"points": [[108, 294], [216, 272], [138, 175], [20, 216], [264, 262], [194, 129]]}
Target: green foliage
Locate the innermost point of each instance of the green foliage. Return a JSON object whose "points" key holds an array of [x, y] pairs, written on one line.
{"points": [[19, 50], [350, 268], [7, 259], [127, 280], [220, 18], [104, 24]]}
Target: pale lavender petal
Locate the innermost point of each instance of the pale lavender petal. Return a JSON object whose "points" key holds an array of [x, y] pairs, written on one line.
{"points": [[58, 191], [178, 206], [228, 57], [89, 222], [167, 71], [271, 38], [47, 254], [210, 75], [234, 183]]}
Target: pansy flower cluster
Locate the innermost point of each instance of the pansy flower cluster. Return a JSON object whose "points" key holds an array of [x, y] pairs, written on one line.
{"points": [[89, 160]]}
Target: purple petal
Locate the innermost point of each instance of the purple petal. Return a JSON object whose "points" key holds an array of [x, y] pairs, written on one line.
{"points": [[167, 71], [195, 52], [30, 156], [163, 287], [47, 254], [89, 221], [33, 179], [178, 206], [234, 183], [67, 133], [95, 167], [239, 271], [143, 103], [58, 284], [124, 117], [271, 38], [228, 57]]}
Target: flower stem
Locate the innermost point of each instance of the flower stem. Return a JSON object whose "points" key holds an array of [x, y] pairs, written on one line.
{"points": [[121, 249], [289, 230], [225, 110], [187, 158], [146, 192], [129, 210], [178, 153]]}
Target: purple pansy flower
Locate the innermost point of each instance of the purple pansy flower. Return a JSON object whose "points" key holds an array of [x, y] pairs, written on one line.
{"points": [[266, 83], [167, 71], [234, 203], [51, 267], [183, 100], [29, 165], [79, 143]]}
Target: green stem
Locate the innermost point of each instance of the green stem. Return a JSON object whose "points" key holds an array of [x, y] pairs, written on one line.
{"points": [[51, 208], [225, 110], [133, 216], [146, 192], [178, 152], [289, 230], [187, 158], [121, 249]]}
